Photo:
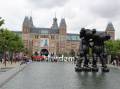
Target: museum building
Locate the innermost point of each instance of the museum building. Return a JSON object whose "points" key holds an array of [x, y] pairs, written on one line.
{"points": [[54, 39]]}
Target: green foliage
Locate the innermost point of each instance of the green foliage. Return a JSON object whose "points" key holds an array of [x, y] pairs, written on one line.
{"points": [[113, 46], [9, 41], [1, 21]]}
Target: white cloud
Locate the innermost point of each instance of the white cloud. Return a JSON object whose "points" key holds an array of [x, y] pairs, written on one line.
{"points": [[78, 13], [106, 8], [47, 3]]}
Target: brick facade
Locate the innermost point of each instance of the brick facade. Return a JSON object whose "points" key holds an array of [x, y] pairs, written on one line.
{"points": [[55, 39]]}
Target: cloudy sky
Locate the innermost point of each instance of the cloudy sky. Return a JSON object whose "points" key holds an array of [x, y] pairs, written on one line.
{"points": [[78, 13]]}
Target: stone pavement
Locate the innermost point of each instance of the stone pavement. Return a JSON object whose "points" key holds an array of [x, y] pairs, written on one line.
{"points": [[8, 72], [61, 75], [8, 66]]}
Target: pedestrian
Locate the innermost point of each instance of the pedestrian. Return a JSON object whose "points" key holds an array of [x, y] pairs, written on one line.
{"points": [[114, 61], [1, 59], [117, 61], [75, 59]]}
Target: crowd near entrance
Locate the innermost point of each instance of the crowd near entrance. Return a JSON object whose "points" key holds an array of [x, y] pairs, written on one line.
{"points": [[44, 52]]}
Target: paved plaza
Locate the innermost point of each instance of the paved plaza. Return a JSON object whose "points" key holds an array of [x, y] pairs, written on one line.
{"points": [[47, 75], [8, 66]]}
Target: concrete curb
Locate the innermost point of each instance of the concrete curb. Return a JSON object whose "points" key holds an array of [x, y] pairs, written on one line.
{"points": [[5, 77]]}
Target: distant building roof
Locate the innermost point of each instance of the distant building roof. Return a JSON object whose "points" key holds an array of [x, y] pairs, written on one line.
{"points": [[19, 33], [70, 36], [73, 37], [44, 30]]}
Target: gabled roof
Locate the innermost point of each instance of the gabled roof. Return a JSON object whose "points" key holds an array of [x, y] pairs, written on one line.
{"points": [[62, 23], [110, 27]]}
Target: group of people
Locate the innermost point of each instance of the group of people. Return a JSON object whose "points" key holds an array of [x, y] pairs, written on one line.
{"points": [[115, 60], [16, 57]]}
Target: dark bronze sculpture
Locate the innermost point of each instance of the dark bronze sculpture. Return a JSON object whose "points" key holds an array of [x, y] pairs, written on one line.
{"points": [[94, 40]]}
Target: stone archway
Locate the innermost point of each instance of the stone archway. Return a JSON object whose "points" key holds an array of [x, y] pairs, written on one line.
{"points": [[44, 52]]}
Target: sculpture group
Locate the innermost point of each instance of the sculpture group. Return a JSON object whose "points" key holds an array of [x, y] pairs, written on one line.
{"points": [[92, 49]]}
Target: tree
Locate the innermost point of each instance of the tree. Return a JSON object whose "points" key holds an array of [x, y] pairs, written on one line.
{"points": [[112, 46], [9, 41], [1, 21]]}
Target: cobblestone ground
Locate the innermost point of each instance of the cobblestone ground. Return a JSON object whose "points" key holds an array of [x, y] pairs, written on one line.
{"points": [[8, 66], [43, 75]]}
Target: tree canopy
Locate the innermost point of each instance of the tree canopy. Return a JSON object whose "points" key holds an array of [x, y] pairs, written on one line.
{"points": [[9, 41], [113, 46]]}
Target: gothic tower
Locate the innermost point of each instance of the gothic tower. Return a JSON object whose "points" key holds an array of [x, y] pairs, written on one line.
{"points": [[27, 25], [55, 24], [62, 36], [110, 30], [31, 22], [62, 27]]}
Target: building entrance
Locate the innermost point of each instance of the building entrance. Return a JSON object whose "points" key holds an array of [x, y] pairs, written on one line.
{"points": [[44, 52]]}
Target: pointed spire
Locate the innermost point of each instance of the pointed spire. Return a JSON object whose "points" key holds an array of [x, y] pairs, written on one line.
{"points": [[55, 24], [63, 23], [55, 14], [110, 27], [31, 21], [26, 21]]}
